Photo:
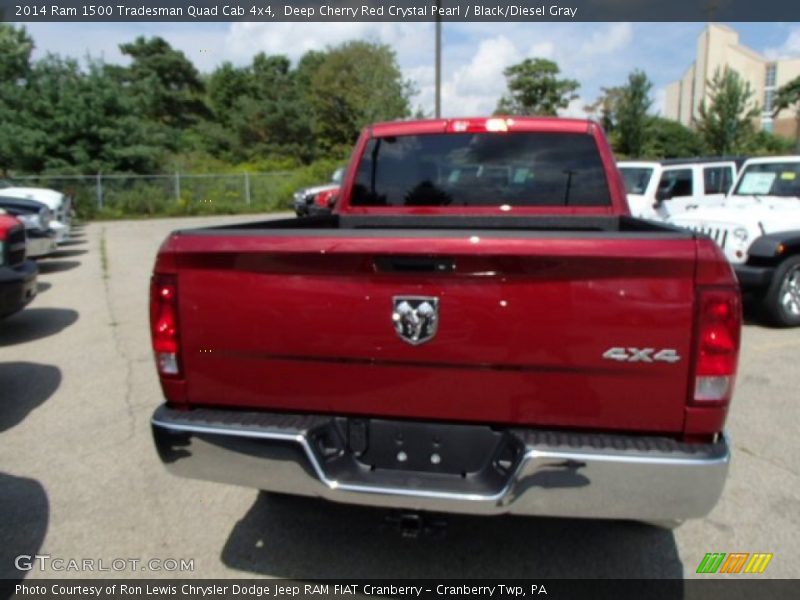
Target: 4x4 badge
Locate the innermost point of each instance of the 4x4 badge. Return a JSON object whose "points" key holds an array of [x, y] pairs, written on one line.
{"points": [[415, 318], [646, 355]]}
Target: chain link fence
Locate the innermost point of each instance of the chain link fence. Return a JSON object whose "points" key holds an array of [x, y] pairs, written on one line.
{"points": [[177, 194]]}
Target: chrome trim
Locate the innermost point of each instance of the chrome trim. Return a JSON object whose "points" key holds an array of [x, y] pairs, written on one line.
{"points": [[548, 481], [415, 318], [302, 440], [42, 246]]}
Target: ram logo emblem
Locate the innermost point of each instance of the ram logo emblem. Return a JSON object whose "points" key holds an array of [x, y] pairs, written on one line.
{"points": [[645, 355], [415, 318]]}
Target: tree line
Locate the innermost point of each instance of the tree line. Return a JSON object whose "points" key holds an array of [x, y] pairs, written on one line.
{"points": [[58, 115], [158, 113]]}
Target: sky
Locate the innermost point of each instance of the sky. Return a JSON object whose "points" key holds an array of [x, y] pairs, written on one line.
{"points": [[473, 54]]}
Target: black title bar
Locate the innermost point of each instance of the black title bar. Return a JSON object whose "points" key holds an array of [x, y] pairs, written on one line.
{"points": [[396, 10], [423, 589]]}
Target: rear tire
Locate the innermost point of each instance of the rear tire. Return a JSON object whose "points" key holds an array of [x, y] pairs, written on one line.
{"points": [[781, 303]]}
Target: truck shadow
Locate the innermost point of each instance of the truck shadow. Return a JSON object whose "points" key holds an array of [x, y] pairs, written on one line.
{"points": [[35, 323], [57, 266], [72, 242], [25, 512], [24, 387], [66, 254], [305, 538]]}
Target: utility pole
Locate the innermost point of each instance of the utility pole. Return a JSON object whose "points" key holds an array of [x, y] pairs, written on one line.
{"points": [[438, 109]]}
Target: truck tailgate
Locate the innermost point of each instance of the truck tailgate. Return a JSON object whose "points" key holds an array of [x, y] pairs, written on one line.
{"points": [[302, 321]]}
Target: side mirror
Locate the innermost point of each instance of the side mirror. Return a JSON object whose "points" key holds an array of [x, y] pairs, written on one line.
{"points": [[333, 200]]}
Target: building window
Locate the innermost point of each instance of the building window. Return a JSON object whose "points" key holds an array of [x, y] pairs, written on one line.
{"points": [[769, 80], [769, 101], [766, 125]]}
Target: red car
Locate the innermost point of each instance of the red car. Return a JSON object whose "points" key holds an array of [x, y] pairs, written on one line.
{"points": [[324, 202], [492, 333], [17, 275]]}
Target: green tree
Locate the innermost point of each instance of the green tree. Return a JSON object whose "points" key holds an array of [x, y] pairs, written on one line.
{"points": [[167, 87], [665, 138], [764, 143], [86, 122], [272, 121], [726, 120], [15, 53], [225, 86], [631, 114], [15, 126], [604, 109], [357, 83], [259, 111], [789, 96], [534, 88]]}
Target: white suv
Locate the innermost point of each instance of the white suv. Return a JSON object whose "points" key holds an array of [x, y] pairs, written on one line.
{"points": [[758, 228], [660, 189]]}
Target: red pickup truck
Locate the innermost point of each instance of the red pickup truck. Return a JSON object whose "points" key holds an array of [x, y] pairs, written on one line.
{"points": [[17, 275], [490, 332]]}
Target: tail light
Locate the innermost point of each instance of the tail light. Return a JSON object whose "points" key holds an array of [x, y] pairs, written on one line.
{"points": [[719, 321], [164, 324], [495, 124]]}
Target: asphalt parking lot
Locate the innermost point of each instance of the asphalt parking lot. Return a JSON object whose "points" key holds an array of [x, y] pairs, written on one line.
{"points": [[79, 477]]}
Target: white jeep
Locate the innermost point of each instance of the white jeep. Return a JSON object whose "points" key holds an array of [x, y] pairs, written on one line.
{"points": [[660, 189], [758, 228]]}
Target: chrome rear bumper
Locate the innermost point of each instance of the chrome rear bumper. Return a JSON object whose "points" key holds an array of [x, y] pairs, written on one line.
{"points": [[549, 474]]}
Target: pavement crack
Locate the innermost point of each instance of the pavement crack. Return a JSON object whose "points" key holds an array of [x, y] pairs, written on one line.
{"points": [[116, 337], [769, 461]]}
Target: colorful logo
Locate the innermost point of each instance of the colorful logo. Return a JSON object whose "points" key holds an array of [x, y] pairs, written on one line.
{"points": [[735, 562]]}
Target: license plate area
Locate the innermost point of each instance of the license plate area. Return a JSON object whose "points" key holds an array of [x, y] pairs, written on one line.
{"points": [[437, 456], [425, 447]]}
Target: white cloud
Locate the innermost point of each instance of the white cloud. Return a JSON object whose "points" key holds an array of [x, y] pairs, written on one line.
{"points": [[660, 101], [575, 109], [545, 49], [474, 54], [789, 49], [243, 40], [474, 88]]}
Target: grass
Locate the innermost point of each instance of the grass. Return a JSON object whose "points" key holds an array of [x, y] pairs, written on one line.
{"points": [[103, 254], [126, 197]]}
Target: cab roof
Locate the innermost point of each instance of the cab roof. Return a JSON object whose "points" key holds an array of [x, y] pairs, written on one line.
{"points": [[482, 124]]}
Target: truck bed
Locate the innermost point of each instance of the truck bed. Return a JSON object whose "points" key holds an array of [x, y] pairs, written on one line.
{"points": [[456, 223]]}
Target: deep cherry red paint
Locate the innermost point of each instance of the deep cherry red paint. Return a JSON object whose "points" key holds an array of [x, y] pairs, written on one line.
{"points": [[7, 223], [303, 322]]}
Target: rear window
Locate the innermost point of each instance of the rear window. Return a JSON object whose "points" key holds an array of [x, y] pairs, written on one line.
{"points": [[481, 169]]}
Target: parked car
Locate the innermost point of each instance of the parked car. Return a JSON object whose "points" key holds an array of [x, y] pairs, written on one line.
{"points": [[758, 228], [304, 198], [324, 202], [41, 239], [17, 275], [59, 204], [660, 189], [483, 346]]}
